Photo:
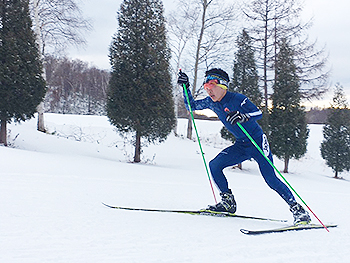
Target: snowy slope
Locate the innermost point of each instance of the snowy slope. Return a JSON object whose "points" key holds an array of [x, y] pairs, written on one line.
{"points": [[52, 186]]}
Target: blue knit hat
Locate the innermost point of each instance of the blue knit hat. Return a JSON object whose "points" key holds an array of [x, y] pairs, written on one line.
{"points": [[219, 74]]}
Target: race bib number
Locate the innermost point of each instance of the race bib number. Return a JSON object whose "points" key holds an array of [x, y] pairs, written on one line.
{"points": [[265, 145]]}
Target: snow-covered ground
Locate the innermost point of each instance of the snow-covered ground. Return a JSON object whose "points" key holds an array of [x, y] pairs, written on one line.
{"points": [[52, 186]]}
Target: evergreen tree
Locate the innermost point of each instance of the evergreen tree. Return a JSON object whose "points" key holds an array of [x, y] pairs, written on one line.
{"points": [[245, 76], [22, 87], [289, 131], [140, 92], [335, 148]]}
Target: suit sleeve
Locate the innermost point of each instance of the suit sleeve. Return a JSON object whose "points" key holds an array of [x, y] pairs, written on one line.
{"points": [[246, 106], [196, 104]]}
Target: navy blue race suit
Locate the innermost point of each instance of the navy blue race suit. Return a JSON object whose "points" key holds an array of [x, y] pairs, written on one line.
{"points": [[243, 149]]}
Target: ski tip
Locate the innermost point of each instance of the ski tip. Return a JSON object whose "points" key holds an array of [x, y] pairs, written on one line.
{"points": [[108, 205], [244, 231], [286, 228]]}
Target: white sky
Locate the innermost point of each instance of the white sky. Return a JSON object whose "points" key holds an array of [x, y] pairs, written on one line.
{"points": [[331, 28]]}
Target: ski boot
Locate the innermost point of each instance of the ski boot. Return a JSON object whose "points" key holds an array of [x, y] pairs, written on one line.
{"points": [[227, 204], [301, 217]]}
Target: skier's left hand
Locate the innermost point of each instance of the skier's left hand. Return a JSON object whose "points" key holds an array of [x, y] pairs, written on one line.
{"points": [[235, 116]]}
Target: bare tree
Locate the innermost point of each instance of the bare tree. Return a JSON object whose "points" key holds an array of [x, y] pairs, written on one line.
{"points": [[312, 64], [180, 33], [265, 15], [212, 36], [273, 20], [57, 24]]}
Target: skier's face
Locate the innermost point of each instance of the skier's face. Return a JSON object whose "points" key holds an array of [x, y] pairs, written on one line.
{"points": [[215, 92]]}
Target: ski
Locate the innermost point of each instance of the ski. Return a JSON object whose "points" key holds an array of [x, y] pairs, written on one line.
{"points": [[195, 212], [285, 229]]}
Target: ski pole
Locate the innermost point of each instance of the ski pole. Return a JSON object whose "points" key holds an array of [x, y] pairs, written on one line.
{"points": [[199, 142], [280, 174]]}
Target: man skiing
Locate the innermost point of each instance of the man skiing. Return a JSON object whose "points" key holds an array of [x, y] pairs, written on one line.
{"points": [[232, 108]]}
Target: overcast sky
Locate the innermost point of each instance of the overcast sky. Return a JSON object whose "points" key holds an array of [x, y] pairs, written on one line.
{"points": [[331, 28]]}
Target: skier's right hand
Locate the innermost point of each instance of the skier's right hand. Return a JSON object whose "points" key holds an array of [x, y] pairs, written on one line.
{"points": [[183, 79]]}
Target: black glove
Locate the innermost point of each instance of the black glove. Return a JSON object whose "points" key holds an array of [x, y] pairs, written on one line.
{"points": [[235, 116], [183, 79]]}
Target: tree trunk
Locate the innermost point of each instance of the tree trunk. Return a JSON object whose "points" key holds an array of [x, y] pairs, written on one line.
{"points": [[40, 108], [176, 110], [3, 132], [199, 43], [137, 157], [41, 126], [189, 127], [176, 98], [336, 175], [286, 163]]}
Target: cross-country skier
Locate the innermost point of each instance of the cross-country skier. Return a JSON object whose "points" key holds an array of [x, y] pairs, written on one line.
{"points": [[232, 108]]}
